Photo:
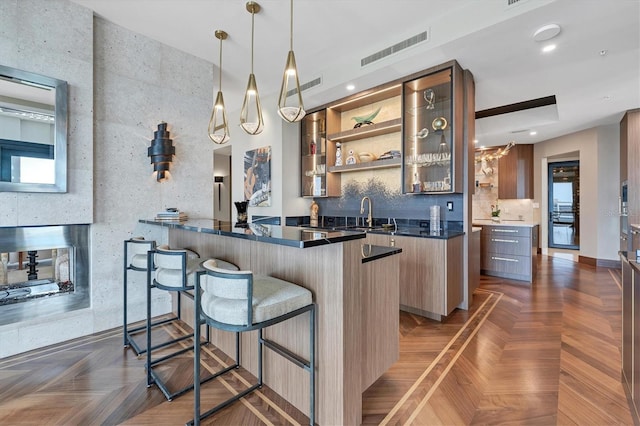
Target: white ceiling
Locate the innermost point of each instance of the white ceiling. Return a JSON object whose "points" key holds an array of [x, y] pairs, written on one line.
{"points": [[488, 37]]}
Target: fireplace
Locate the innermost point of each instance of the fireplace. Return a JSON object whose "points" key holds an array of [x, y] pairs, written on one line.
{"points": [[44, 270]]}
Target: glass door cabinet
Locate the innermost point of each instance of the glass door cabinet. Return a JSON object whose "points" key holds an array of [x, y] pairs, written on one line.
{"points": [[430, 135]]}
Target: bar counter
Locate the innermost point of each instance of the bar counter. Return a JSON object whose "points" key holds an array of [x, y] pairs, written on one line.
{"points": [[355, 286]]}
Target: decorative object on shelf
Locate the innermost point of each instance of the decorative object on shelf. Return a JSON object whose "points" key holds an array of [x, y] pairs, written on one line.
{"points": [[366, 157], [313, 221], [367, 119], [422, 133], [416, 183], [218, 124], [440, 123], [251, 119], [443, 148], [390, 154], [290, 83], [430, 98], [257, 177], [338, 154], [312, 148], [495, 155], [161, 152], [351, 158], [241, 207], [219, 180]]}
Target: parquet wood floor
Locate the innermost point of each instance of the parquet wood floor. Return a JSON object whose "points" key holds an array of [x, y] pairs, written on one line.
{"points": [[547, 354]]}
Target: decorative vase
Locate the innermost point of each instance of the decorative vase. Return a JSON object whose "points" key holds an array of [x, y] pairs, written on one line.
{"points": [[241, 206]]}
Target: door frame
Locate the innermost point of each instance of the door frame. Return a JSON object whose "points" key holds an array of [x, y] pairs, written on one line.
{"points": [[550, 241]]}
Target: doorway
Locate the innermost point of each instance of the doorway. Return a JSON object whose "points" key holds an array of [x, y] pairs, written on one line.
{"points": [[564, 205], [222, 181]]}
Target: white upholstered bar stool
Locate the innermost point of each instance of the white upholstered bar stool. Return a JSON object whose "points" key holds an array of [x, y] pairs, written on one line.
{"points": [[175, 271], [135, 259], [239, 301]]}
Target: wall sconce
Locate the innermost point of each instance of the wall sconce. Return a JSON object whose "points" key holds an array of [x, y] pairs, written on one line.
{"points": [[161, 152], [219, 180]]}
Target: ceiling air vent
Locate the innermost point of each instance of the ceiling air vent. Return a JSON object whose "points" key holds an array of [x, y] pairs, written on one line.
{"points": [[305, 86], [411, 41], [512, 2]]}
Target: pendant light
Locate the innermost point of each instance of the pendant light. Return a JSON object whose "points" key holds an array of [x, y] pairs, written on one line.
{"points": [[218, 124], [294, 111], [251, 113]]}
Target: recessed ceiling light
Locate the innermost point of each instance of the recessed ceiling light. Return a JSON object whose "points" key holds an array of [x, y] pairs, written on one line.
{"points": [[350, 87], [546, 32], [607, 98], [548, 48], [533, 133], [603, 52]]}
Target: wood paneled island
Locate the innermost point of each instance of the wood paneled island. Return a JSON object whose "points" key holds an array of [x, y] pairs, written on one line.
{"points": [[355, 286]]}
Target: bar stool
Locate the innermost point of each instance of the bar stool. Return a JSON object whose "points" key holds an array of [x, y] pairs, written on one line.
{"points": [[135, 259], [175, 271], [238, 301]]}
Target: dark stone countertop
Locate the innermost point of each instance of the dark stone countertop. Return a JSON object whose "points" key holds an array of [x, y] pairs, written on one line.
{"points": [[273, 234]]}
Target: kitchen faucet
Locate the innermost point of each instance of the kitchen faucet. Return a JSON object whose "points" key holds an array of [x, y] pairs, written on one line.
{"points": [[369, 218]]}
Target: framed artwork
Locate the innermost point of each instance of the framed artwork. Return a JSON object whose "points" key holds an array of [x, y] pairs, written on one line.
{"points": [[257, 177]]}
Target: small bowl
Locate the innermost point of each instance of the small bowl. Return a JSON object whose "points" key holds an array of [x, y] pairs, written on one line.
{"points": [[366, 157]]}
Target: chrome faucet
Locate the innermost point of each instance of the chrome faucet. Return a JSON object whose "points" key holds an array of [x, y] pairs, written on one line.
{"points": [[369, 218]]}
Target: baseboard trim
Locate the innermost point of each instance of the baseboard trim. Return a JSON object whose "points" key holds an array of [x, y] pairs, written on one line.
{"points": [[599, 263]]}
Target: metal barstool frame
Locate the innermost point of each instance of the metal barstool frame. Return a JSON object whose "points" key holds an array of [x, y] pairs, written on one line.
{"points": [[152, 376], [127, 332], [201, 318]]}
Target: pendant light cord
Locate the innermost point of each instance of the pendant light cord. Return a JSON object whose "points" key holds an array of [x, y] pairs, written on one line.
{"points": [[252, 25], [291, 33], [220, 77]]}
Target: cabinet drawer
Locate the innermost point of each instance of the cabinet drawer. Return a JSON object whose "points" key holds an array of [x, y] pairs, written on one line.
{"points": [[511, 231], [508, 244], [507, 264]]}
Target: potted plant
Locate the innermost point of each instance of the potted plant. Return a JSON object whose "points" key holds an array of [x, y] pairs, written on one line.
{"points": [[495, 212]]}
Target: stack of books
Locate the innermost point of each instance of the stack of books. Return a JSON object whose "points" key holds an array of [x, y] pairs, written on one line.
{"points": [[172, 214]]}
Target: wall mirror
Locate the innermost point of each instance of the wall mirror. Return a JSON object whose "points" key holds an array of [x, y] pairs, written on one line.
{"points": [[33, 132]]}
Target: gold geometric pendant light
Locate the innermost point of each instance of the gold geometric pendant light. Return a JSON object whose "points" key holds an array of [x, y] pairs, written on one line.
{"points": [[251, 114], [218, 124], [294, 110]]}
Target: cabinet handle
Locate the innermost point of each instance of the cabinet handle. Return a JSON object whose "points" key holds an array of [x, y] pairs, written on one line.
{"points": [[500, 240], [392, 243], [623, 238], [506, 259], [506, 230]]}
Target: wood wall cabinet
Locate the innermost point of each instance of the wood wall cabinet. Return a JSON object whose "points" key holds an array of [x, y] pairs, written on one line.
{"points": [[509, 251], [433, 132], [515, 173], [426, 112], [431, 282], [344, 131], [631, 334], [316, 152], [630, 136]]}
